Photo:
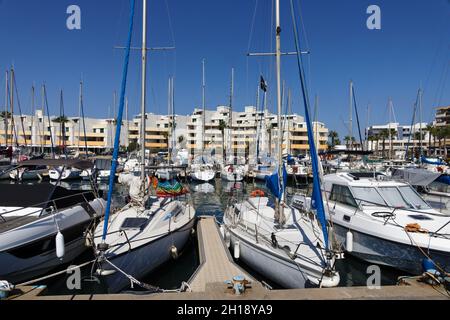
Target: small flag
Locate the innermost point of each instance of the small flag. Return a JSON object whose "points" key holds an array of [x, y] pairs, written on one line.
{"points": [[263, 84]]}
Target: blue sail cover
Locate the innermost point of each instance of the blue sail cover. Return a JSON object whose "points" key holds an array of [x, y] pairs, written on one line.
{"points": [[317, 192], [273, 183], [435, 161], [290, 159]]}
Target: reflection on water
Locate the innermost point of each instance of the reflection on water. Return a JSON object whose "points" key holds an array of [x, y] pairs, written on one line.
{"points": [[208, 199]]}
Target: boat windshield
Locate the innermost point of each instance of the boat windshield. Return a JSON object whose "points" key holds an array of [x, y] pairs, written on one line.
{"points": [[367, 196], [402, 197], [413, 198]]}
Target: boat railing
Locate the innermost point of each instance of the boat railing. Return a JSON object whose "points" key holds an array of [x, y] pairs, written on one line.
{"points": [[50, 207]]}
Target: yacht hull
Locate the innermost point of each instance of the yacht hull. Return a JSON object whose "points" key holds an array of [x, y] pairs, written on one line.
{"points": [[401, 256], [144, 259]]}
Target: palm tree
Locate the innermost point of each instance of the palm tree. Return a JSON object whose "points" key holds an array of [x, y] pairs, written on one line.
{"points": [[347, 140], [333, 135], [5, 114], [222, 127], [446, 130], [440, 134], [429, 129], [353, 140], [384, 133]]}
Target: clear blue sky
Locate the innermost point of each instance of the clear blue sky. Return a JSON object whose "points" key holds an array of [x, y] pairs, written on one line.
{"points": [[412, 49]]}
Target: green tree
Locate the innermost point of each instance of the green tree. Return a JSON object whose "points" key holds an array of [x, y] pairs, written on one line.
{"points": [[347, 140], [132, 146], [384, 134], [5, 114], [430, 133], [333, 135]]}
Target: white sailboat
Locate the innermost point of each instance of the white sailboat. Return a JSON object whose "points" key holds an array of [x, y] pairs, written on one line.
{"points": [[281, 242], [149, 230], [202, 168], [233, 169]]}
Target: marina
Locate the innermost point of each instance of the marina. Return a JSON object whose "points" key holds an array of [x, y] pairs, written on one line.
{"points": [[244, 202]]}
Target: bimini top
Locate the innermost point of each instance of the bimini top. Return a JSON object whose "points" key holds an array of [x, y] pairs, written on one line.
{"points": [[72, 163], [42, 195]]}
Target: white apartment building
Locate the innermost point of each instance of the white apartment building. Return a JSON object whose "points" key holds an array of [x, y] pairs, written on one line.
{"points": [[249, 127]]}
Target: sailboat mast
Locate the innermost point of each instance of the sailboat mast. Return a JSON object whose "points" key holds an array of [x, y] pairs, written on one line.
{"points": [[43, 139], [230, 118], [33, 113], [278, 66], [128, 124], [79, 115], [420, 120], [169, 103], [289, 102], [143, 89], [11, 106], [203, 106], [390, 135], [350, 124], [6, 109]]}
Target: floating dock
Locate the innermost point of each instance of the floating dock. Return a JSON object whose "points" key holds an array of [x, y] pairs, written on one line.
{"points": [[217, 266], [216, 263]]}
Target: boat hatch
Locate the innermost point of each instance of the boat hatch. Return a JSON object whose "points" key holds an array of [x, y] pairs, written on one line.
{"points": [[133, 223], [419, 217]]}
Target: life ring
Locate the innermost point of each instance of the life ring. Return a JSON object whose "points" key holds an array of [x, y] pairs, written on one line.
{"points": [[257, 193]]}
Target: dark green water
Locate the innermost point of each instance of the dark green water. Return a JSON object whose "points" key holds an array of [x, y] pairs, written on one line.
{"points": [[208, 199]]}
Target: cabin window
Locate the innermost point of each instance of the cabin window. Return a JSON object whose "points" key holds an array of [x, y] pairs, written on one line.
{"points": [[343, 195], [394, 198], [368, 196], [411, 195]]}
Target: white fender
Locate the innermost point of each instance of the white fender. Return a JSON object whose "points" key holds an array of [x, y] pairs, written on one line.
{"points": [[60, 247]]}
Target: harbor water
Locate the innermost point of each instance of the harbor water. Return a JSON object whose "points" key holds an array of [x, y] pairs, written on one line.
{"points": [[209, 199]]}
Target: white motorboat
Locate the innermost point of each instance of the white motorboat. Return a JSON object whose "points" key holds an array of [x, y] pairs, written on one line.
{"points": [[263, 171], [386, 222], [233, 172], [27, 174], [31, 227], [64, 173], [202, 172]]}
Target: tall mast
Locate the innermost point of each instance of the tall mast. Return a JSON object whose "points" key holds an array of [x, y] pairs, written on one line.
{"points": [[420, 120], [230, 118], [33, 113], [128, 124], [315, 124], [144, 79], [169, 103], [43, 139], [11, 105], [289, 102], [83, 118], [6, 109], [79, 116], [350, 124], [278, 63], [172, 96], [390, 135], [203, 106]]}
